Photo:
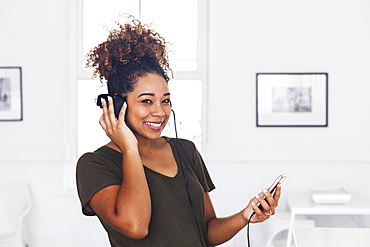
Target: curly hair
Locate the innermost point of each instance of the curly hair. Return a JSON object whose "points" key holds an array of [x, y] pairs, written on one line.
{"points": [[131, 51]]}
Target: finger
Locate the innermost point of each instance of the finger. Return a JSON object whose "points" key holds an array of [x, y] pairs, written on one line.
{"points": [[256, 209], [277, 192], [264, 204], [102, 122], [269, 213], [105, 110], [269, 198], [105, 120], [111, 116], [261, 216], [274, 201], [122, 113], [276, 196]]}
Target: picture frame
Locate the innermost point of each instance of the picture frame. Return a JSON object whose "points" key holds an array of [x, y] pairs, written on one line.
{"points": [[11, 106], [292, 99]]}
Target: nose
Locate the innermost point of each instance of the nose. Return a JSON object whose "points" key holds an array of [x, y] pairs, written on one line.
{"points": [[158, 110]]}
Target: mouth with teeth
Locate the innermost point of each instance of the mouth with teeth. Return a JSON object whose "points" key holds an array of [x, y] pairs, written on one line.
{"points": [[154, 125]]}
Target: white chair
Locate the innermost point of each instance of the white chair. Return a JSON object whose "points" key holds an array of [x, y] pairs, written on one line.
{"points": [[273, 232], [15, 204], [279, 227]]}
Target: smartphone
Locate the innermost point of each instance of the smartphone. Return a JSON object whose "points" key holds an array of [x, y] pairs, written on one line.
{"points": [[279, 179], [117, 102], [272, 187]]}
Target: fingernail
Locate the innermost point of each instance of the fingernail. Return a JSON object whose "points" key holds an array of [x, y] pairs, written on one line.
{"points": [[264, 191], [253, 204], [257, 196], [109, 98]]}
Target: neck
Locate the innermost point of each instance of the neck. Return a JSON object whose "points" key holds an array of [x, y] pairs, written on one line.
{"points": [[145, 145], [149, 145]]}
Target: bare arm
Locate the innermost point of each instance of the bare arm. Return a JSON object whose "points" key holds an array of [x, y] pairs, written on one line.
{"points": [[221, 230], [126, 208]]}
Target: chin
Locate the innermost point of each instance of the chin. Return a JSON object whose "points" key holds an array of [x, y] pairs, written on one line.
{"points": [[150, 136], [154, 137]]}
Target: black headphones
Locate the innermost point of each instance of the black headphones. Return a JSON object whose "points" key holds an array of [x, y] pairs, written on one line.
{"points": [[117, 102]]}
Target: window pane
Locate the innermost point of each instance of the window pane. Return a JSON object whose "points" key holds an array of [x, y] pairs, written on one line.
{"points": [[178, 26], [99, 17], [177, 22]]}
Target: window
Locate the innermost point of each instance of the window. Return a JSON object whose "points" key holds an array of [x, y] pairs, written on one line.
{"points": [[177, 21], [180, 22]]}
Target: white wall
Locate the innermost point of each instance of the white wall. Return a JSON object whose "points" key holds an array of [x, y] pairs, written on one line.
{"points": [[36, 35], [245, 37]]}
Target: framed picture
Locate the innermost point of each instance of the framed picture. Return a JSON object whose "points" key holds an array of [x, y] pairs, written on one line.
{"points": [[292, 99], [11, 94]]}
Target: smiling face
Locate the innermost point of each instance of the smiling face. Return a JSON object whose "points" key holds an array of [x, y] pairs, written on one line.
{"points": [[148, 106]]}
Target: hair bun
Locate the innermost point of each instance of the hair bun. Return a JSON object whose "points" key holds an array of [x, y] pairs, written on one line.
{"points": [[121, 55]]}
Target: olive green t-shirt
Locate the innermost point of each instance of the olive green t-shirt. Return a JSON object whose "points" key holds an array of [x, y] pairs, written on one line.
{"points": [[173, 221]]}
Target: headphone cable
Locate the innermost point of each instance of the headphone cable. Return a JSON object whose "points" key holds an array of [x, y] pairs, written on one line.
{"points": [[249, 221], [185, 179]]}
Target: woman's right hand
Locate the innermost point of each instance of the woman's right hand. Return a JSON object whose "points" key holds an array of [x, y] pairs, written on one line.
{"points": [[117, 130]]}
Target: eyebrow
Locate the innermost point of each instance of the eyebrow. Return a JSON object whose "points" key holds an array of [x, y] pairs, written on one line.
{"points": [[151, 94]]}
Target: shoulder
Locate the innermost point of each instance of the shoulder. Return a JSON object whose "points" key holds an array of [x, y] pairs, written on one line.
{"points": [[91, 156], [100, 156]]}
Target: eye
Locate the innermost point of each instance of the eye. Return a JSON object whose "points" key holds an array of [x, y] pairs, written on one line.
{"points": [[147, 101], [166, 101]]}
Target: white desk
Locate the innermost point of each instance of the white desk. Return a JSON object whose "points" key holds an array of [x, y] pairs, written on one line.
{"points": [[331, 237], [301, 204]]}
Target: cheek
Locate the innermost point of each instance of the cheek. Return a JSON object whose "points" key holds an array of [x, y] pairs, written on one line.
{"points": [[136, 115], [168, 113]]}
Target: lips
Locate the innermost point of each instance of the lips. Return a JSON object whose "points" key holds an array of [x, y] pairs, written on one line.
{"points": [[154, 125]]}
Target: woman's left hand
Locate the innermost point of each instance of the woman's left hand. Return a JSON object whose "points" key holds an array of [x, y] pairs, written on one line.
{"points": [[267, 201]]}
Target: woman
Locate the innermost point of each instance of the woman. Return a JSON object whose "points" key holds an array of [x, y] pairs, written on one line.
{"points": [[149, 190]]}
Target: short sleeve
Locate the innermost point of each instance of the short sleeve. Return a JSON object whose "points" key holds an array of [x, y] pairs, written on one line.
{"points": [[202, 172], [93, 174]]}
